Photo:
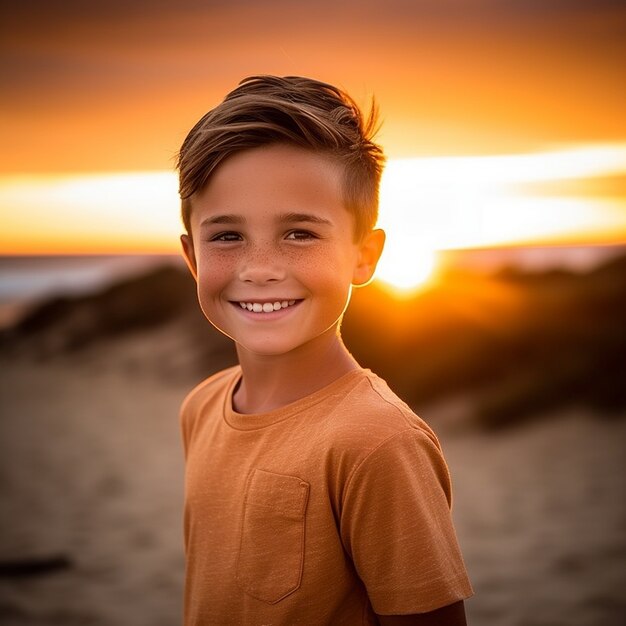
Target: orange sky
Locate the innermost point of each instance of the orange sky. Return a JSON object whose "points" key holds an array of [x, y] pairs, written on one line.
{"points": [[114, 85]]}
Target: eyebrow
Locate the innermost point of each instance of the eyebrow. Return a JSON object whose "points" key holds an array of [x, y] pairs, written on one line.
{"points": [[223, 219], [304, 217], [285, 217]]}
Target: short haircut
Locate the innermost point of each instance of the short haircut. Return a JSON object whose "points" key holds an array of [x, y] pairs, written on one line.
{"points": [[298, 111]]}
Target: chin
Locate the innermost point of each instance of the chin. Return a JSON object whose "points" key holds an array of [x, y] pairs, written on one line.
{"points": [[268, 350]]}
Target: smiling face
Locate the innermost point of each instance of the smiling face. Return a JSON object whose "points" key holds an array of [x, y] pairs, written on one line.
{"points": [[273, 249]]}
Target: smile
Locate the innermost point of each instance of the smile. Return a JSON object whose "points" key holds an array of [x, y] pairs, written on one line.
{"points": [[267, 307]]}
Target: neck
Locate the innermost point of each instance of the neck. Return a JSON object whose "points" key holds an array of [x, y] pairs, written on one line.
{"points": [[270, 382]]}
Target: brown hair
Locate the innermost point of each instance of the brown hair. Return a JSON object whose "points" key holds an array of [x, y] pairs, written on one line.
{"points": [[294, 110]]}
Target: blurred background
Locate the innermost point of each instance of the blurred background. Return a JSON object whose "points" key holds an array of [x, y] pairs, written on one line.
{"points": [[498, 312]]}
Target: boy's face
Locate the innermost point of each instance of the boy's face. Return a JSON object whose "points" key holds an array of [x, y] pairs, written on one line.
{"points": [[273, 251]]}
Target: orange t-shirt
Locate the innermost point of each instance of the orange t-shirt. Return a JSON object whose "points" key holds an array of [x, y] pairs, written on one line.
{"points": [[325, 511]]}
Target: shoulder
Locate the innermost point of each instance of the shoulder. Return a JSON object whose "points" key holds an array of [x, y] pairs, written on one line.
{"points": [[209, 392], [371, 430], [208, 388], [371, 414]]}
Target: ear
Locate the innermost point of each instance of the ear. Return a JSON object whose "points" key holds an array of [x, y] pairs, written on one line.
{"points": [[370, 249], [189, 254]]}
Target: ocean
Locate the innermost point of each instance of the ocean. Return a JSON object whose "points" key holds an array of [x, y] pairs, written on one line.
{"points": [[25, 280]]}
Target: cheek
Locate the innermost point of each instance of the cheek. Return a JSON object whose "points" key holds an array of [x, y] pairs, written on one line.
{"points": [[324, 272], [214, 271], [321, 263]]}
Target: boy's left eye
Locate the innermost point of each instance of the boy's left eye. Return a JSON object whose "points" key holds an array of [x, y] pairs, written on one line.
{"points": [[300, 235]]}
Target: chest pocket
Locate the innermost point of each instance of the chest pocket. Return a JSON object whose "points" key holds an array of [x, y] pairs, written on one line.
{"points": [[271, 553]]}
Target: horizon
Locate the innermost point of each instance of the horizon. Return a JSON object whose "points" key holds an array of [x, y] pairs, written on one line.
{"points": [[24, 278], [427, 205]]}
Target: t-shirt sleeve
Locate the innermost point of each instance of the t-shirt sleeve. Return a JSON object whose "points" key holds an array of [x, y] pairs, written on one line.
{"points": [[189, 413], [396, 525], [185, 419], [194, 402]]}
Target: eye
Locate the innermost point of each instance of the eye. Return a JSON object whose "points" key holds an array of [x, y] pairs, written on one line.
{"points": [[227, 236], [300, 235]]}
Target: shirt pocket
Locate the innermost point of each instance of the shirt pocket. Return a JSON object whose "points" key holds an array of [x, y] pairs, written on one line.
{"points": [[271, 552]]}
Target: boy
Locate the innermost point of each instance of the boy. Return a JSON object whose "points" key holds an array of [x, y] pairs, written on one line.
{"points": [[313, 494]]}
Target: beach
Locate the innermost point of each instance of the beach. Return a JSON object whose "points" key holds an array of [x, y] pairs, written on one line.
{"points": [[541, 519], [92, 471]]}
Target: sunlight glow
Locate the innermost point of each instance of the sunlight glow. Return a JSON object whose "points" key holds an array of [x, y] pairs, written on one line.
{"points": [[426, 205], [97, 213], [430, 204], [406, 277]]}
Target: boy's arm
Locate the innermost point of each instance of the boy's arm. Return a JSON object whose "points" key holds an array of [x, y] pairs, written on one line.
{"points": [[451, 615]]}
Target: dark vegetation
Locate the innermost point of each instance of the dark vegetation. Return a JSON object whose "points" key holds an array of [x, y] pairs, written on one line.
{"points": [[520, 343]]}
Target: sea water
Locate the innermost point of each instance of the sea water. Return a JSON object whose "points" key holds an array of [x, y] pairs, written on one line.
{"points": [[25, 280]]}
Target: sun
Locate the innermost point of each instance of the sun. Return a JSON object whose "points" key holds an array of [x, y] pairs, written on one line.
{"points": [[405, 266], [429, 204], [409, 258]]}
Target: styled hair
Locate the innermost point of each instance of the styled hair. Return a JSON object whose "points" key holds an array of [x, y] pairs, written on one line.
{"points": [[299, 111]]}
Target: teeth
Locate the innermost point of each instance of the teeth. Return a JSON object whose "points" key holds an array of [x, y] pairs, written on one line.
{"points": [[266, 307]]}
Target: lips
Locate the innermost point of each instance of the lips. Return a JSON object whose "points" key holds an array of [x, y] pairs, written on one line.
{"points": [[266, 307]]}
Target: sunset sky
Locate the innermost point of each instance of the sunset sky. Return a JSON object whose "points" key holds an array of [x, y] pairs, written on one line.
{"points": [[111, 88]]}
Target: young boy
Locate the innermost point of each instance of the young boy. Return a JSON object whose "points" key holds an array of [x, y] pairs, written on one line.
{"points": [[313, 494]]}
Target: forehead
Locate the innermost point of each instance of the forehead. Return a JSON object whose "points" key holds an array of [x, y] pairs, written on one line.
{"points": [[273, 179]]}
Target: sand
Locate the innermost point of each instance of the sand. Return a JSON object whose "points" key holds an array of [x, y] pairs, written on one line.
{"points": [[91, 471], [541, 517]]}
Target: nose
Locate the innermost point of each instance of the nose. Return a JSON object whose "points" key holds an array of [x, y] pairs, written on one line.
{"points": [[261, 264]]}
